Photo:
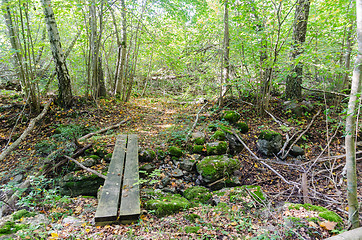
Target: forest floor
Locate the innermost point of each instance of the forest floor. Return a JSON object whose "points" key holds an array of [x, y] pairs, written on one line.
{"points": [[156, 121]]}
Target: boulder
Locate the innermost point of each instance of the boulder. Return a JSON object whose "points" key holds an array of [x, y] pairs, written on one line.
{"points": [[231, 116], [297, 151], [216, 148], [71, 185], [235, 145], [147, 155], [188, 164], [198, 194], [269, 142], [177, 173], [213, 168], [242, 127], [175, 151], [298, 109], [167, 204], [219, 135], [198, 138]]}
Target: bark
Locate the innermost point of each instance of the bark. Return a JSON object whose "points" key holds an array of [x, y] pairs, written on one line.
{"points": [[350, 138], [119, 78], [226, 59], [294, 80], [64, 84]]}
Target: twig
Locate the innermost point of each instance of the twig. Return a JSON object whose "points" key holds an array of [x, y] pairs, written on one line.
{"points": [[306, 130], [26, 132], [194, 125], [103, 130], [85, 168]]}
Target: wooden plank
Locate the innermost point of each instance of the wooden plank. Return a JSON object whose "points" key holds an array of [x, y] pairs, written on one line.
{"points": [[107, 210], [130, 201]]}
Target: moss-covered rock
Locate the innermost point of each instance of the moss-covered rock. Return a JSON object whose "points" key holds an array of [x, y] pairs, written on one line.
{"points": [[147, 155], [242, 127], [323, 212], [213, 168], [11, 227], [192, 217], [192, 229], [198, 194], [212, 127], [199, 141], [175, 151], [269, 142], [198, 149], [216, 148], [72, 185], [168, 204], [231, 116], [219, 135], [22, 213], [198, 138]]}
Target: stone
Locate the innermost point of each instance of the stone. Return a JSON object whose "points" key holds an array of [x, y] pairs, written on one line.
{"points": [[216, 148], [242, 127], [69, 220], [165, 181], [72, 185], [235, 145], [198, 194], [198, 138], [90, 162], [219, 135], [293, 107], [168, 204], [269, 142], [231, 116], [147, 155], [177, 173], [198, 149], [175, 151], [188, 164], [148, 167], [297, 151], [213, 168]]}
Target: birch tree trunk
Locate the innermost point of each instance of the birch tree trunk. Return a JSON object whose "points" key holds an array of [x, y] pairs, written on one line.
{"points": [[64, 84], [226, 58], [294, 81], [351, 127]]}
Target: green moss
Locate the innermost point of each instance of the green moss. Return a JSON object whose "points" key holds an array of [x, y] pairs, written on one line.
{"points": [[161, 154], [175, 151], [323, 212], [192, 217], [242, 127], [268, 134], [231, 116], [220, 148], [212, 127], [198, 194], [95, 157], [256, 193], [219, 135], [22, 213], [226, 129], [168, 204], [213, 168], [10, 227], [198, 149], [199, 141], [191, 229]]}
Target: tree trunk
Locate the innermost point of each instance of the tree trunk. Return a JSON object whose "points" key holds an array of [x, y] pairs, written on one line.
{"points": [[351, 127], [119, 78], [294, 80], [64, 83], [226, 58]]}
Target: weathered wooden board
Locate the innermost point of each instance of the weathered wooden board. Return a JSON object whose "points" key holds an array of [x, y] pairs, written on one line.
{"points": [[130, 201], [107, 210]]}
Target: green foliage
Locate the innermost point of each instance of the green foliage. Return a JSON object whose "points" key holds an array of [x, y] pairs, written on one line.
{"points": [[192, 229], [45, 147], [71, 131], [11, 227], [198, 194], [150, 178]]}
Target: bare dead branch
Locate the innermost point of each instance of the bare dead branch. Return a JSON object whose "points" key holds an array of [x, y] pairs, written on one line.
{"points": [[85, 168]]}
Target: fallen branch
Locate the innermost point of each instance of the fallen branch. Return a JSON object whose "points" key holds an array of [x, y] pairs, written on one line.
{"points": [[85, 168], [194, 125], [306, 130], [103, 130], [32, 123], [323, 91]]}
